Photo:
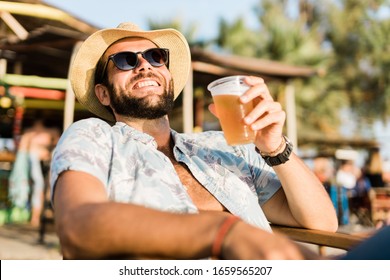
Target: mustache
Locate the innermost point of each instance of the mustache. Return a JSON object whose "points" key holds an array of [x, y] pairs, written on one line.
{"points": [[141, 76]]}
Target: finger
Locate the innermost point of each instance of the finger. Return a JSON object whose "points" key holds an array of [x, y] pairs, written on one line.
{"points": [[260, 110], [213, 110], [258, 91], [268, 119], [253, 80]]}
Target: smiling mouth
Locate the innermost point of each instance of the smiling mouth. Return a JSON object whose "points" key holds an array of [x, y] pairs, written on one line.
{"points": [[148, 83]]}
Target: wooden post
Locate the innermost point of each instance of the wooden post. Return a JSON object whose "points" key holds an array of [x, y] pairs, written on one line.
{"points": [[3, 68], [291, 114], [69, 105], [188, 114]]}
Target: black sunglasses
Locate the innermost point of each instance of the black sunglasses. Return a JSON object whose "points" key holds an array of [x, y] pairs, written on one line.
{"points": [[129, 60]]}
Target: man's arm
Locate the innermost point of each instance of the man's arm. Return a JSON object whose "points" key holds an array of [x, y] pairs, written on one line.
{"points": [[90, 226], [302, 201]]}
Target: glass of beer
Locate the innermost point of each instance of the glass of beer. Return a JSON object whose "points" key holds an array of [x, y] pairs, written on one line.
{"points": [[230, 111]]}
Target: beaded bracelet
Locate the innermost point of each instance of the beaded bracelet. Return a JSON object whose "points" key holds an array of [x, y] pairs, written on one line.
{"points": [[274, 152]]}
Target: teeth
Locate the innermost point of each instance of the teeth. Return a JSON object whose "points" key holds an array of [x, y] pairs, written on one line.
{"points": [[146, 84]]}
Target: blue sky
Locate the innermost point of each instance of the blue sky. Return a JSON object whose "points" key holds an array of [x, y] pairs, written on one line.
{"points": [[205, 13]]}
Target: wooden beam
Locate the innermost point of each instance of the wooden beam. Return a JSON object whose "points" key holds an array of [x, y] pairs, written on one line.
{"points": [[259, 66], [208, 68], [46, 12], [322, 238], [14, 25], [35, 81]]}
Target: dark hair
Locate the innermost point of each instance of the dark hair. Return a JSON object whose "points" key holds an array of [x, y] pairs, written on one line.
{"points": [[100, 77]]}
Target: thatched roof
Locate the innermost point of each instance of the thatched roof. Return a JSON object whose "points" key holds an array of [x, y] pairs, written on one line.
{"points": [[38, 39]]}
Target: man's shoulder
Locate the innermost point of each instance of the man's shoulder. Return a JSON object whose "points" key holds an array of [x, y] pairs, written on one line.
{"points": [[86, 134], [90, 122], [203, 137], [87, 127]]}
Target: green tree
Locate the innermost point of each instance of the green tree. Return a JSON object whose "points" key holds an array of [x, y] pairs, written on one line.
{"points": [[189, 31], [237, 39], [283, 38], [347, 38], [360, 42]]}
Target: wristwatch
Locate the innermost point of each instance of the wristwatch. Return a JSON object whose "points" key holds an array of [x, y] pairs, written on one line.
{"points": [[281, 157]]}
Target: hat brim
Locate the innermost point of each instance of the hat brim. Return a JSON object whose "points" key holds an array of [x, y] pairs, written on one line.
{"points": [[82, 71]]}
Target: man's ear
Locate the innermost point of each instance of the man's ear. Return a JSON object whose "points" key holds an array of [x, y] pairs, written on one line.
{"points": [[102, 94]]}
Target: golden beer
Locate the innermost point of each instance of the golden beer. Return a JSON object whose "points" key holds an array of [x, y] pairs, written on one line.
{"points": [[231, 113]]}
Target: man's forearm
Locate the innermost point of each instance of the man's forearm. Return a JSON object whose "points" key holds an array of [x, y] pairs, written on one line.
{"points": [[105, 230], [307, 199]]}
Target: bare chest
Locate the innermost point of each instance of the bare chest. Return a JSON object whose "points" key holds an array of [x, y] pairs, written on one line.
{"points": [[202, 198]]}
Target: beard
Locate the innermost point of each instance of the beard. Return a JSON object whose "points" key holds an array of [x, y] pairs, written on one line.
{"points": [[124, 103]]}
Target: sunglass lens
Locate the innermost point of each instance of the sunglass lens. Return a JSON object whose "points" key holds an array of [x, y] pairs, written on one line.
{"points": [[156, 57], [125, 60]]}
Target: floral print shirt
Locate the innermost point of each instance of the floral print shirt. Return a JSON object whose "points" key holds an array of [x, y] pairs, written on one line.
{"points": [[132, 170]]}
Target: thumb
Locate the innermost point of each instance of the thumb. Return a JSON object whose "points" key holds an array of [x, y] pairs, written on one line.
{"points": [[212, 109]]}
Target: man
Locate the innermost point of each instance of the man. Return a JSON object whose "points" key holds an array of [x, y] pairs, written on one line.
{"points": [[27, 179], [139, 189]]}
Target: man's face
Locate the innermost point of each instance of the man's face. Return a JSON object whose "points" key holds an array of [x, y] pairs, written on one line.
{"points": [[145, 92]]}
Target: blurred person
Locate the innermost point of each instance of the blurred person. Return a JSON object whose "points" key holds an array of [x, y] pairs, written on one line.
{"points": [[359, 199], [383, 222], [127, 185], [374, 168], [324, 170], [375, 171], [27, 179], [347, 175], [386, 171]]}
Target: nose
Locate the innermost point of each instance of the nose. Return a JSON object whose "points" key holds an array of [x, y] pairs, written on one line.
{"points": [[142, 64]]}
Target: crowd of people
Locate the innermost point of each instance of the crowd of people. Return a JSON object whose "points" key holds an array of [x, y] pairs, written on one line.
{"points": [[353, 187]]}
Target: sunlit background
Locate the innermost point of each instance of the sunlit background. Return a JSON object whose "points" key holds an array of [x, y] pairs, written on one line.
{"points": [[341, 102], [205, 21]]}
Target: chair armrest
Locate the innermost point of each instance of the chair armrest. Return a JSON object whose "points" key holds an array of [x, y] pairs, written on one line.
{"points": [[320, 237]]}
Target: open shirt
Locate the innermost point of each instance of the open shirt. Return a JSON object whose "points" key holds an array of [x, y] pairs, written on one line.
{"points": [[133, 170]]}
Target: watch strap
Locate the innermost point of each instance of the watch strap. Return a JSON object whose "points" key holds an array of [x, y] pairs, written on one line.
{"points": [[282, 157]]}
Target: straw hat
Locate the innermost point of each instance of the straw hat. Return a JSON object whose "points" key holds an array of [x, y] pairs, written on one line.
{"points": [[82, 72]]}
